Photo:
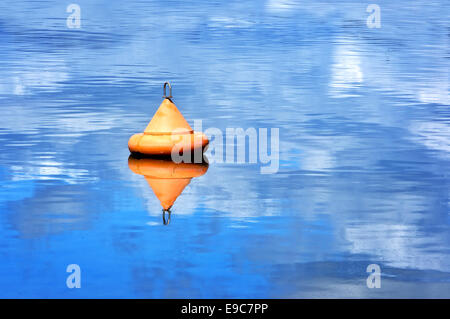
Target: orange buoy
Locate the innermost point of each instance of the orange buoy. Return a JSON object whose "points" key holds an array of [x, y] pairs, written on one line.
{"points": [[167, 129], [167, 179]]}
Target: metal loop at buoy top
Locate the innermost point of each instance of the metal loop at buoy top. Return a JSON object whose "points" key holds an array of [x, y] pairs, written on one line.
{"points": [[170, 90]]}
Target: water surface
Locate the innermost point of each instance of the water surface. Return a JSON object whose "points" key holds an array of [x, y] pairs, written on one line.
{"points": [[364, 124]]}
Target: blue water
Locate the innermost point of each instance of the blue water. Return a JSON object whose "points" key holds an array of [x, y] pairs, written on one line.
{"points": [[364, 149]]}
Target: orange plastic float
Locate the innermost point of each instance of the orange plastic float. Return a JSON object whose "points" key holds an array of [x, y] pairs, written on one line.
{"points": [[167, 179], [167, 129]]}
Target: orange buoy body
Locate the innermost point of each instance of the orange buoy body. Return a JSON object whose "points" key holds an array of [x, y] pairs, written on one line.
{"points": [[167, 179], [167, 131]]}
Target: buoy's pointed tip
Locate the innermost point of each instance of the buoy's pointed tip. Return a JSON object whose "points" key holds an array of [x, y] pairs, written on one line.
{"points": [[167, 119]]}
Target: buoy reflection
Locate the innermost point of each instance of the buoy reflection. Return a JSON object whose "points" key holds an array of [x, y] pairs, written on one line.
{"points": [[166, 178]]}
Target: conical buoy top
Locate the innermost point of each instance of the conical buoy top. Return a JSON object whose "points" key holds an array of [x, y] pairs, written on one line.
{"points": [[168, 119]]}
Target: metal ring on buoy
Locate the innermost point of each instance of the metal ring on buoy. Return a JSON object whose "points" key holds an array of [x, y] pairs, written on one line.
{"points": [[166, 222], [170, 90]]}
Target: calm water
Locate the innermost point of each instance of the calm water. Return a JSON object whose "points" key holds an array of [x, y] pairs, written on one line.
{"points": [[364, 121]]}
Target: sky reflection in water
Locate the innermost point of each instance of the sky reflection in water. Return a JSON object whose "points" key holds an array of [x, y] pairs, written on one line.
{"points": [[364, 125]]}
